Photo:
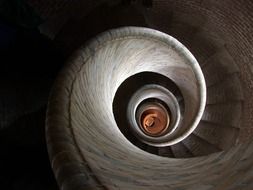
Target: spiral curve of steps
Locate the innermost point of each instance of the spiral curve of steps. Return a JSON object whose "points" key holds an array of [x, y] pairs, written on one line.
{"points": [[219, 35]]}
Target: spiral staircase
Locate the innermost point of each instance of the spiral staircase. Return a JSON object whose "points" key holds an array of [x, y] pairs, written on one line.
{"points": [[88, 149]]}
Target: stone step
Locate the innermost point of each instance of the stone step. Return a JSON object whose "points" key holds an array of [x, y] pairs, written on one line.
{"points": [[221, 136], [181, 151], [199, 146], [166, 152], [224, 114], [227, 90], [218, 67]]}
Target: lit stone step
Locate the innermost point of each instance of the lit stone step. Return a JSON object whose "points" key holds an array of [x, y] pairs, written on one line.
{"points": [[225, 91], [222, 136], [218, 66], [199, 146], [226, 114]]}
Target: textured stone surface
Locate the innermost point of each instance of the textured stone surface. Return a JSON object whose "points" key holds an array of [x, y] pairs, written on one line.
{"points": [[218, 32]]}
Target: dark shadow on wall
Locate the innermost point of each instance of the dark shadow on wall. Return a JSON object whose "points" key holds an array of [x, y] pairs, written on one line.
{"points": [[80, 29], [29, 63], [24, 161]]}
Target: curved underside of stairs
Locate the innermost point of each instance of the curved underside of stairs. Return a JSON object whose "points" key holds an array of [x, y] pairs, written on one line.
{"points": [[87, 150]]}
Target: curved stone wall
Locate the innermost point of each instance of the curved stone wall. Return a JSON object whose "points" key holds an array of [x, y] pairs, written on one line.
{"points": [[219, 34]]}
